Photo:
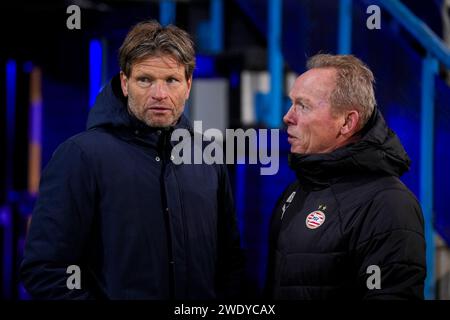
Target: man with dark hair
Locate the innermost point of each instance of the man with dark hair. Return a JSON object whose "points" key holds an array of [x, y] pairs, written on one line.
{"points": [[348, 228], [114, 207]]}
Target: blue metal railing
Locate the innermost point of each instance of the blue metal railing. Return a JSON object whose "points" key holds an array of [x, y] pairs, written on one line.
{"points": [[167, 12], [429, 69], [216, 13], [436, 51], [421, 32], [95, 69], [345, 27], [5, 212], [275, 64]]}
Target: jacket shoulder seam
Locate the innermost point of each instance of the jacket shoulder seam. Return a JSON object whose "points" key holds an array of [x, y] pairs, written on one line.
{"points": [[409, 193], [389, 231]]}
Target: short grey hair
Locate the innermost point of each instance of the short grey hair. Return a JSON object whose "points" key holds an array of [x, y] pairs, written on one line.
{"points": [[354, 84]]}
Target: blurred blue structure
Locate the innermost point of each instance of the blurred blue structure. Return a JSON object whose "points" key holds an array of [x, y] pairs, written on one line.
{"points": [[436, 50], [429, 69], [7, 254], [345, 27], [205, 66], [5, 212], [167, 12], [95, 69], [11, 78], [210, 32], [418, 29], [273, 116], [216, 32]]}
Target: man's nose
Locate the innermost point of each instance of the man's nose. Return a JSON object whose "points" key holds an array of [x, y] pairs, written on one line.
{"points": [[289, 117], [159, 91]]}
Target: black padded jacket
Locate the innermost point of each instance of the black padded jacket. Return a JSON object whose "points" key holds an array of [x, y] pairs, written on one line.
{"points": [[348, 228]]}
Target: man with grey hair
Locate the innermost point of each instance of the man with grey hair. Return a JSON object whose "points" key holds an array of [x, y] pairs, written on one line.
{"points": [[347, 228]]}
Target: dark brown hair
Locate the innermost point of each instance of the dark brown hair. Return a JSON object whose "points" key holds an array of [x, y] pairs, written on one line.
{"points": [[149, 38]]}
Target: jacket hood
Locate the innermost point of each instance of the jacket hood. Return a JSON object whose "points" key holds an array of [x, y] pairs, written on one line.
{"points": [[378, 151], [110, 110]]}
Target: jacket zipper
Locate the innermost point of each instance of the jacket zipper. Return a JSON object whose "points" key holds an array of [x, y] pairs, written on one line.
{"points": [[162, 150]]}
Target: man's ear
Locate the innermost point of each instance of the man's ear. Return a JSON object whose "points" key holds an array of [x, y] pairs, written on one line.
{"points": [[189, 85], [351, 123], [124, 83]]}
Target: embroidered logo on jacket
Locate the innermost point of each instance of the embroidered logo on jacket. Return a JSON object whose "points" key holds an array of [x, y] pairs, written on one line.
{"points": [[315, 219]]}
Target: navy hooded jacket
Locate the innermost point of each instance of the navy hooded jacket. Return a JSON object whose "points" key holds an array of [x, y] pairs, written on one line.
{"points": [[137, 225]]}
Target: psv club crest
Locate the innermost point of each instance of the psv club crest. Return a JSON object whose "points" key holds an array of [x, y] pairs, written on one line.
{"points": [[316, 218]]}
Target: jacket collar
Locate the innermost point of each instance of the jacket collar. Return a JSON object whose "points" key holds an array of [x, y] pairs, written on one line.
{"points": [[378, 152], [111, 113]]}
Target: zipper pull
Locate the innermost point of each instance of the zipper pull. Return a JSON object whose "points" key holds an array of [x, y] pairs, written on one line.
{"points": [[287, 204]]}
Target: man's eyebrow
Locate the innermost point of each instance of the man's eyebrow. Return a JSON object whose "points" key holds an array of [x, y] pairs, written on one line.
{"points": [[302, 100], [143, 73]]}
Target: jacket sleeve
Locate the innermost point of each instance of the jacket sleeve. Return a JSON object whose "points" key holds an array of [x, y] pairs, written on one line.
{"points": [[390, 246], [231, 261], [60, 226]]}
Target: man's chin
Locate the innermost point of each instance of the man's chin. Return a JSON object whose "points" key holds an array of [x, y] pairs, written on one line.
{"points": [[161, 123], [297, 150]]}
